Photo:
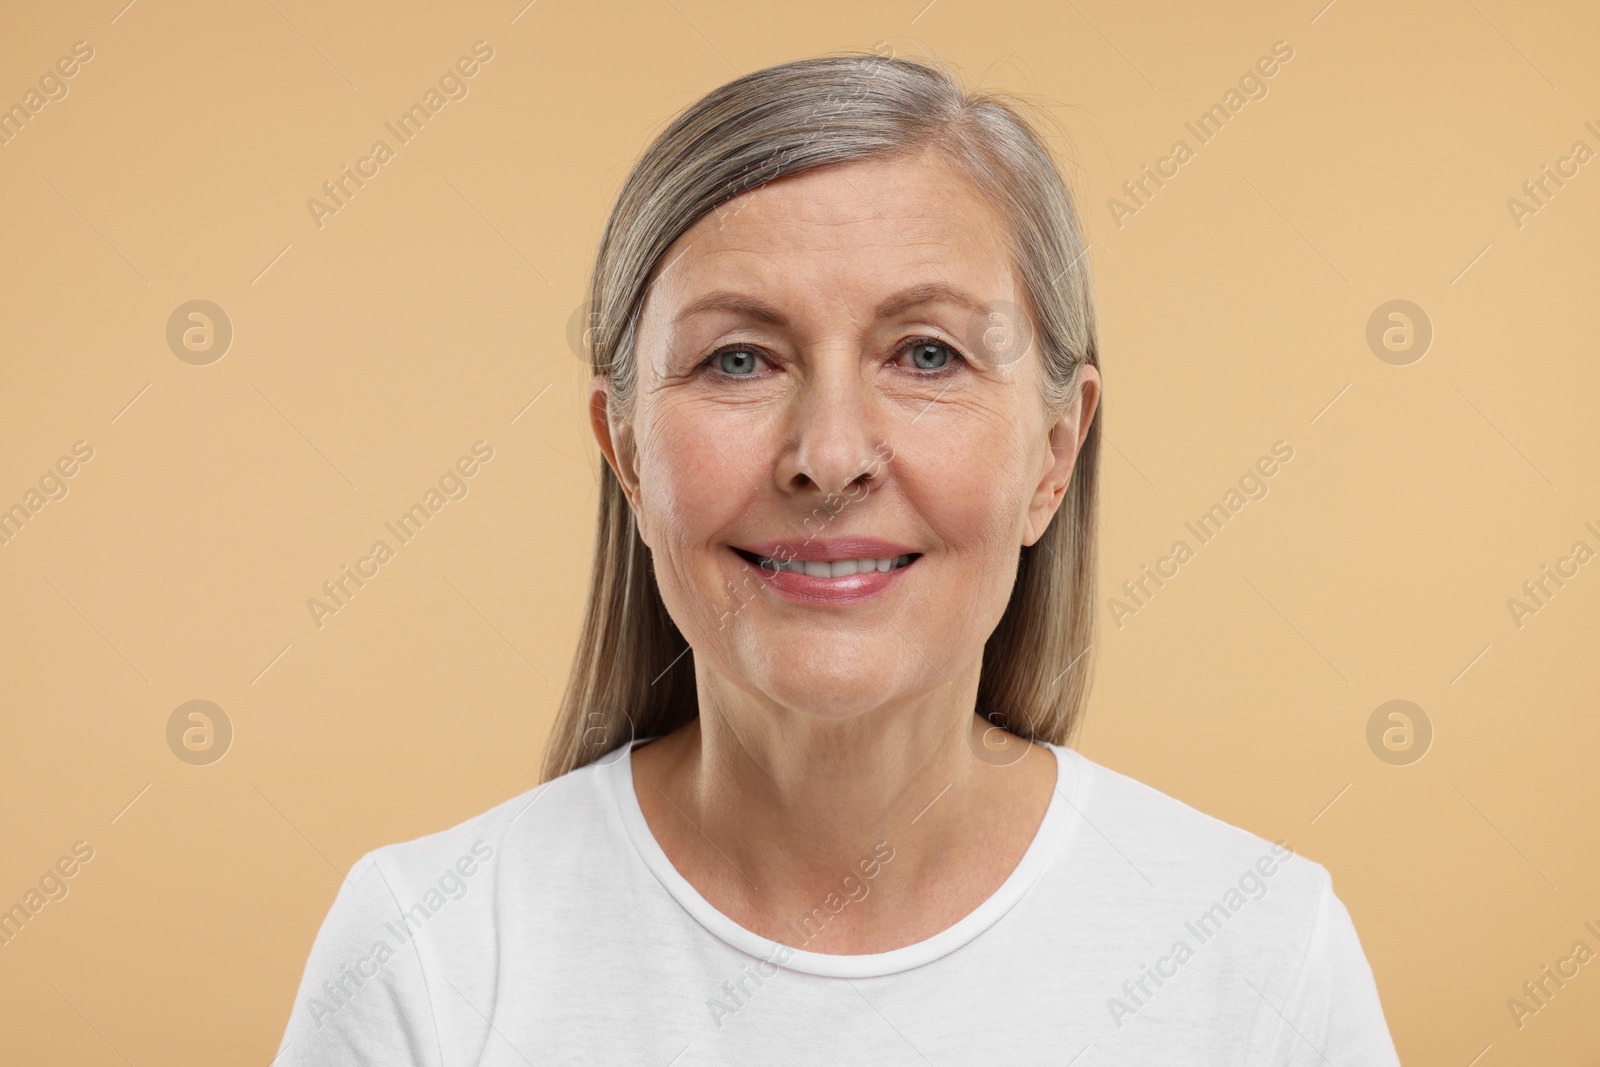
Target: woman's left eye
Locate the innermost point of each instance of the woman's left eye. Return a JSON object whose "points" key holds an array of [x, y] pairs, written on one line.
{"points": [[930, 355]]}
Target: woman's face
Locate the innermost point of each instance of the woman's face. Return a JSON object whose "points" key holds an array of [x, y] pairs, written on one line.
{"points": [[834, 451]]}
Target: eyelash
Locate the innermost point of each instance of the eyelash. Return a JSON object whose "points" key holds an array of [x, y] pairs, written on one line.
{"points": [[710, 362]]}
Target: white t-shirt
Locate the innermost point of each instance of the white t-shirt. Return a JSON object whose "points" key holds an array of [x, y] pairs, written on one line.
{"points": [[553, 929]]}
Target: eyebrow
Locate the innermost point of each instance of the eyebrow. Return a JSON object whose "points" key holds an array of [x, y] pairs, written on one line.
{"points": [[894, 304]]}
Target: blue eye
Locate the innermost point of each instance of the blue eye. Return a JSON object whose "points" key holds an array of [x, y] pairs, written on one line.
{"points": [[737, 362], [930, 355]]}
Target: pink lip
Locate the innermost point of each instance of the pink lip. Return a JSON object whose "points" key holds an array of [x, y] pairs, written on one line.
{"points": [[844, 590]]}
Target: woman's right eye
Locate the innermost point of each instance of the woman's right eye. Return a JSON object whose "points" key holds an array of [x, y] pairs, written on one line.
{"points": [[736, 362]]}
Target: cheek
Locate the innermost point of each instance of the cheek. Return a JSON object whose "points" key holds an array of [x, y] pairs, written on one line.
{"points": [[689, 484], [973, 488]]}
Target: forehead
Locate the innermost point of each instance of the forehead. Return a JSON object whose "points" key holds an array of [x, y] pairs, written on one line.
{"points": [[846, 235]]}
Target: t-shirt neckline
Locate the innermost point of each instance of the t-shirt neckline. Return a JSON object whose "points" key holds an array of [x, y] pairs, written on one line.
{"points": [[1061, 816]]}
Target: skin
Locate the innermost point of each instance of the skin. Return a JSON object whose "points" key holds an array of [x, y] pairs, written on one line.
{"points": [[827, 729]]}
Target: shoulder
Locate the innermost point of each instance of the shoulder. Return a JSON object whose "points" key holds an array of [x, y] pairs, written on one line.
{"points": [[1172, 843], [421, 920], [1255, 928], [1182, 885], [551, 822]]}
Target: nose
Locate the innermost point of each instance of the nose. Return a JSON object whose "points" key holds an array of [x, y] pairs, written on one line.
{"points": [[833, 435]]}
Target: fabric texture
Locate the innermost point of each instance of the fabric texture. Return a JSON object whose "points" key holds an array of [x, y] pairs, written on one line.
{"points": [[552, 929]]}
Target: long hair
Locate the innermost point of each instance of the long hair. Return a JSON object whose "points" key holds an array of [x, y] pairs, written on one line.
{"points": [[632, 675]]}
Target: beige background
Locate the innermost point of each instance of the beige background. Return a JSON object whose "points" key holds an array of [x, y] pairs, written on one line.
{"points": [[433, 310]]}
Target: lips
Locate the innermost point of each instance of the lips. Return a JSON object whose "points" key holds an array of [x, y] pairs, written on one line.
{"points": [[840, 570]]}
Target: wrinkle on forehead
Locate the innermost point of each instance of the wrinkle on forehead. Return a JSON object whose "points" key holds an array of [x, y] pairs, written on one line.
{"points": [[922, 212]]}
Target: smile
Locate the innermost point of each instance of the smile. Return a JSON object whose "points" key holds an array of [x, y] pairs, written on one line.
{"points": [[836, 571], [816, 568]]}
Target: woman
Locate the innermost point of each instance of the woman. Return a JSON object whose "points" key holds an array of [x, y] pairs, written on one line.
{"points": [[845, 386]]}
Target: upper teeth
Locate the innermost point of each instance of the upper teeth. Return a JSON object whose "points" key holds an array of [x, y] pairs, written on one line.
{"points": [[836, 569]]}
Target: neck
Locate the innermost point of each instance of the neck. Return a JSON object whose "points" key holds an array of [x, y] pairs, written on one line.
{"points": [[774, 809], [824, 788]]}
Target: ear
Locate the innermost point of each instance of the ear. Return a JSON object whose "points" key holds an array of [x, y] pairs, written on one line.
{"points": [[1066, 437], [615, 437]]}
